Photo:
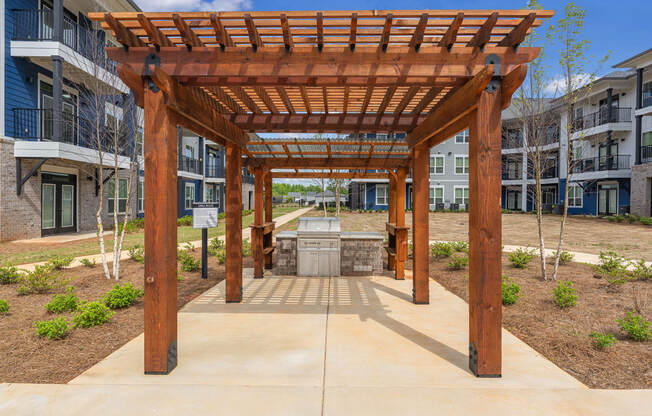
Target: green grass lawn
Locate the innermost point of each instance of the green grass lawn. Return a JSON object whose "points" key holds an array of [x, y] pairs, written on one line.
{"points": [[32, 253]]}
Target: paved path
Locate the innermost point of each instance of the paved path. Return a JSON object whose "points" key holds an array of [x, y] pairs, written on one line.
{"points": [[323, 346], [246, 233]]}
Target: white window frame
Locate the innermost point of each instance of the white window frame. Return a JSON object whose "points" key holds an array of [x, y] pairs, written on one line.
{"points": [[581, 198], [433, 164], [433, 201], [114, 111], [141, 197], [465, 166], [386, 188], [466, 204], [185, 195], [462, 137], [110, 196]]}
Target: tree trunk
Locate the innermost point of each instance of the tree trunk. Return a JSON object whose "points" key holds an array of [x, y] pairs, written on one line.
{"points": [[542, 249], [337, 197], [116, 260], [323, 195]]}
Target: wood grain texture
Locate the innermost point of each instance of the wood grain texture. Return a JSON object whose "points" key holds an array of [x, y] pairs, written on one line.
{"points": [[421, 252], [256, 231], [268, 218], [401, 229], [233, 223]]}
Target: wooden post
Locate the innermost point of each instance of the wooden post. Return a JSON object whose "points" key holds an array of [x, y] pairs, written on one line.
{"points": [[485, 302], [233, 223], [257, 229], [401, 230], [420, 265], [160, 235], [268, 216], [391, 218]]}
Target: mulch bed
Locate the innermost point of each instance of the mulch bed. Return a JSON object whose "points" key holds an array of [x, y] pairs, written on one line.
{"points": [[27, 358], [562, 335]]}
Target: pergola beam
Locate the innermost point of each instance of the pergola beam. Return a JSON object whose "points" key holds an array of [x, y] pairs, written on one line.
{"points": [[326, 163], [330, 175], [344, 123]]}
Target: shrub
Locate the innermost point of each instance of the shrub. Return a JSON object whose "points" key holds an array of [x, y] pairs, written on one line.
{"points": [[636, 327], [458, 262], [215, 244], [121, 296], [60, 262], [188, 262], [564, 295], [460, 246], [646, 220], [63, 303], [632, 218], [40, 280], [521, 257], [611, 264], [641, 271], [441, 249], [602, 341], [87, 262], [511, 291], [188, 246], [4, 307], [137, 253], [91, 314], [220, 254], [9, 274], [221, 215], [133, 225], [565, 257], [56, 328], [246, 247], [186, 220]]}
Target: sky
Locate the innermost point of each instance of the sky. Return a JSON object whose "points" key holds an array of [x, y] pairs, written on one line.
{"points": [[620, 28]]}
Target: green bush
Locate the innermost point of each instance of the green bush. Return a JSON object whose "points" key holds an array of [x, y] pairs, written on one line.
{"points": [[91, 314], [87, 262], [40, 280], [641, 271], [122, 296], [521, 257], [565, 257], [4, 307], [602, 341], [214, 245], [220, 254], [636, 327], [221, 215], [187, 261], [511, 291], [458, 262], [611, 264], [60, 262], [460, 246], [137, 253], [186, 220], [246, 247], [646, 220], [564, 295], [9, 274], [56, 328], [63, 303], [441, 249], [632, 218], [133, 226]]}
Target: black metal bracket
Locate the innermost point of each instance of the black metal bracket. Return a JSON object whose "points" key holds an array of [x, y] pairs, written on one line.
{"points": [[171, 360], [20, 179], [493, 59], [152, 59], [473, 363], [104, 180]]}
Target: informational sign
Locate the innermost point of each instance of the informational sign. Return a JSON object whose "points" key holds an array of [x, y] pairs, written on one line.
{"points": [[204, 215]]}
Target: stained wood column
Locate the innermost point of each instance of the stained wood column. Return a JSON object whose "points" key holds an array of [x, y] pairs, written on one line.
{"points": [[421, 183], [268, 215], [160, 235], [401, 230], [485, 302], [391, 218], [233, 223], [257, 228]]}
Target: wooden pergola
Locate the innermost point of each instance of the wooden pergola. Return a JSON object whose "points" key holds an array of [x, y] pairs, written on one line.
{"points": [[425, 74]]}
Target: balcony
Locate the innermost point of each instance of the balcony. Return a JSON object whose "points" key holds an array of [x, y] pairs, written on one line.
{"points": [[512, 174], [189, 164], [38, 124], [647, 99], [214, 171], [601, 118], [602, 163], [646, 153]]}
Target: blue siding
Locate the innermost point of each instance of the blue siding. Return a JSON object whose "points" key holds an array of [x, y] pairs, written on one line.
{"points": [[181, 195], [590, 199], [371, 197]]}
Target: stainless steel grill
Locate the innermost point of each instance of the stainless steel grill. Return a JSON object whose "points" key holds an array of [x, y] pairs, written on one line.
{"points": [[318, 247]]}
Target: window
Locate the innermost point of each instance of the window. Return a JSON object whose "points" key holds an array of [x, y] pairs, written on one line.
{"points": [[462, 195], [462, 137], [381, 194], [575, 196], [189, 151], [436, 164], [122, 196], [139, 142], [189, 195], [436, 195], [647, 139], [461, 165], [141, 195]]}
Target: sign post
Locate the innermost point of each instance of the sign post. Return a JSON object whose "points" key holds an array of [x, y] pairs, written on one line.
{"points": [[204, 216]]}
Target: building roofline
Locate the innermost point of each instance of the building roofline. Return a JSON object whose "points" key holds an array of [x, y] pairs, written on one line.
{"points": [[627, 62]]}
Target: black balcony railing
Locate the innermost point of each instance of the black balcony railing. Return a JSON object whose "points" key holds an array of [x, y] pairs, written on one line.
{"points": [[214, 171], [512, 174], [647, 98], [618, 115], [646, 153], [602, 163], [189, 164], [39, 124], [38, 24]]}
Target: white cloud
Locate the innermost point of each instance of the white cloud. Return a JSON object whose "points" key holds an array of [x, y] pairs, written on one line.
{"points": [[557, 87], [193, 5]]}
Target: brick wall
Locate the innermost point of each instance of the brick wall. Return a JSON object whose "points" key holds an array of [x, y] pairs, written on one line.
{"points": [[640, 195]]}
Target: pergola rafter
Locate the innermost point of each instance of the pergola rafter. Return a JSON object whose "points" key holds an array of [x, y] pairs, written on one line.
{"points": [[395, 81]]}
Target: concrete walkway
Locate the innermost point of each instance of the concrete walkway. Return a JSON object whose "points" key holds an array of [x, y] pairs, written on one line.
{"points": [[323, 346], [246, 233]]}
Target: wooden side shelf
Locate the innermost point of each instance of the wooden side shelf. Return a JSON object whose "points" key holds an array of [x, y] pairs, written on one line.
{"points": [[396, 246]]}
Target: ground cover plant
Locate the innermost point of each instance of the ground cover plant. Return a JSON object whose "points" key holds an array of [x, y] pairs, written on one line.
{"points": [[4, 306], [63, 302], [187, 261], [458, 262], [91, 314], [137, 253], [56, 328], [511, 291], [521, 257], [564, 294], [635, 326], [9, 274], [602, 341], [122, 296], [60, 262], [42, 279], [441, 249], [87, 262]]}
